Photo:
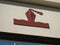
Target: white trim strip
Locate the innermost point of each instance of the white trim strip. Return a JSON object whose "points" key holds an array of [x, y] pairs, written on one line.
{"points": [[50, 3]]}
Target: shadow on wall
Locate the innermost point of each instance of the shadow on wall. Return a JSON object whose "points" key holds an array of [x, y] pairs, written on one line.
{"points": [[26, 5]]}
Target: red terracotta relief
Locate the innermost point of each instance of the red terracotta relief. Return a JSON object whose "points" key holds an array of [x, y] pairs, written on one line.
{"points": [[31, 20]]}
